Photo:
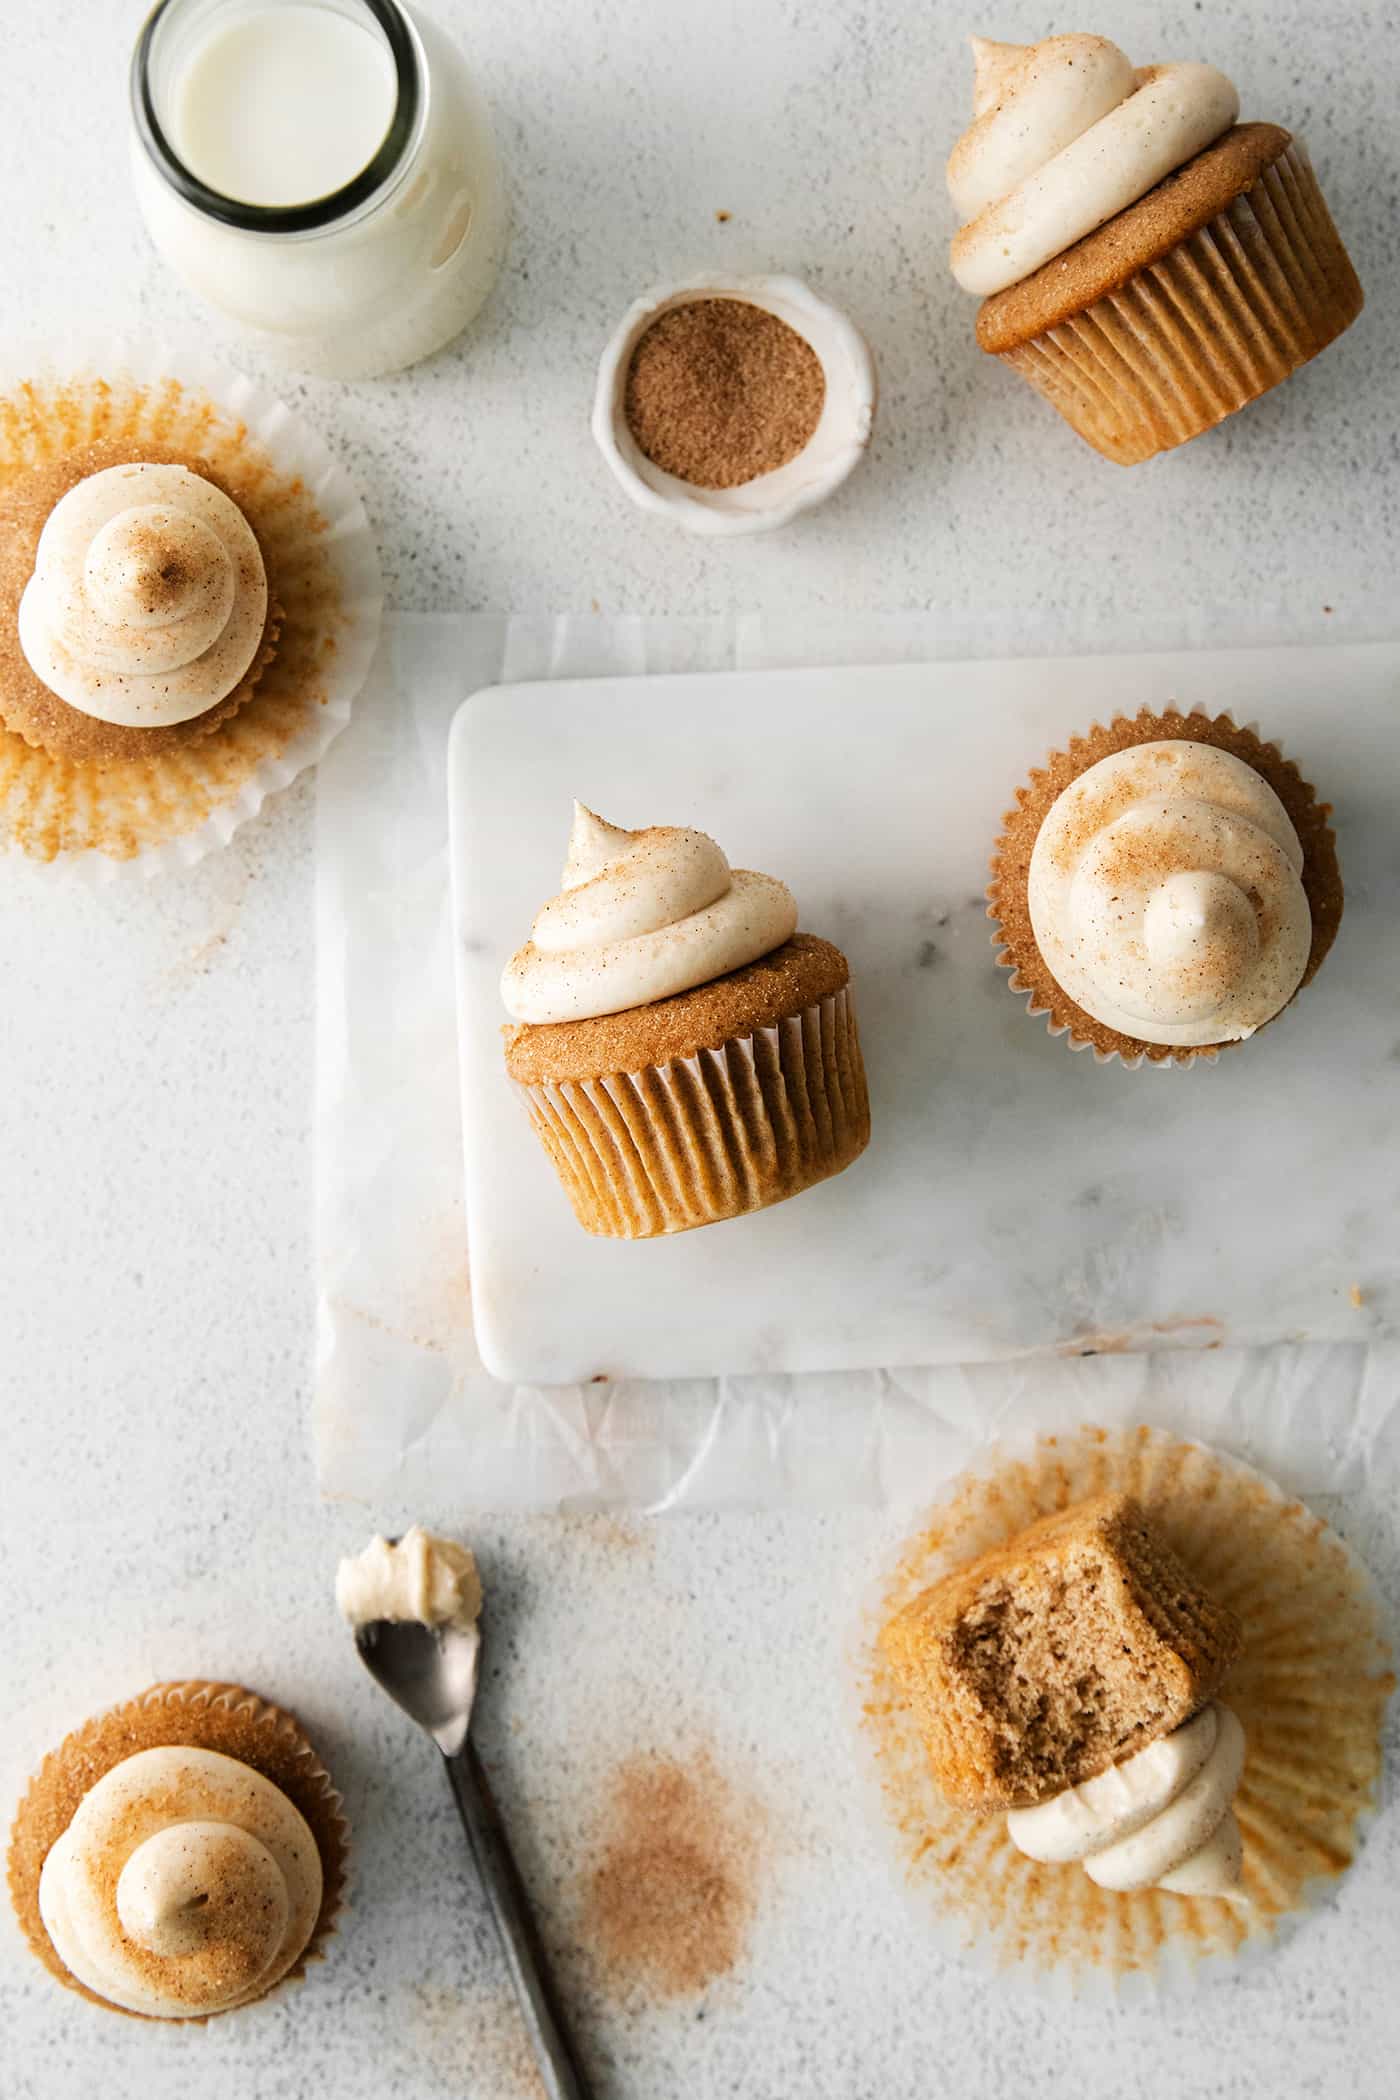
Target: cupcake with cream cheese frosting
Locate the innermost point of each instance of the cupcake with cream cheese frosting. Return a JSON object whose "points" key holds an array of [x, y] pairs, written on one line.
{"points": [[1145, 261], [189, 602], [147, 619], [685, 1054], [180, 1856], [1164, 888], [1125, 1703]]}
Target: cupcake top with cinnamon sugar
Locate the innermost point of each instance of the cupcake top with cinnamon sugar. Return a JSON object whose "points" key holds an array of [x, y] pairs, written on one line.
{"points": [[135, 604], [180, 1855], [1165, 892], [1165, 886]]}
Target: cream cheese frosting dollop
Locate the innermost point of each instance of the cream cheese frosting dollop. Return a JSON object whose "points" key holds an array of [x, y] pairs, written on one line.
{"points": [[149, 596], [1166, 897], [641, 916], [1066, 133], [1162, 1819], [417, 1577], [187, 1883]]}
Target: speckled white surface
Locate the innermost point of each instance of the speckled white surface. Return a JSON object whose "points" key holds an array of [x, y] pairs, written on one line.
{"points": [[157, 1513]]}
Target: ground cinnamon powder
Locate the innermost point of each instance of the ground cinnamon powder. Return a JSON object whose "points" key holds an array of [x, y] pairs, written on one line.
{"points": [[669, 1903], [721, 391]]}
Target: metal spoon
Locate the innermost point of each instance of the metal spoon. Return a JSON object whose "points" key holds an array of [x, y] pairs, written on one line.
{"points": [[431, 1672]]}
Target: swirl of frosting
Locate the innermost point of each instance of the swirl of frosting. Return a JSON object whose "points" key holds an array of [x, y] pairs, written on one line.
{"points": [[1166, 898], [642, 915], [1162, 1819], [1066, 134], [148, 599], [186, 1884]]}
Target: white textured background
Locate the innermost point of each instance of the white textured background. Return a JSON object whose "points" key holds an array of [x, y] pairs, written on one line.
{"points": [[158, 1514]]}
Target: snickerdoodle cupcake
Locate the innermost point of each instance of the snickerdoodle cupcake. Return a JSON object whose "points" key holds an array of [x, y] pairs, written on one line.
{"points": [[1164, 888], [179, 1856], [1146, 262], [189, 599], [1126, 1704], [685, 1054]]}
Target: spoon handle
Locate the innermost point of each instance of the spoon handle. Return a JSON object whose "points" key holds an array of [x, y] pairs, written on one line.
{"points": [[500, 1877]]}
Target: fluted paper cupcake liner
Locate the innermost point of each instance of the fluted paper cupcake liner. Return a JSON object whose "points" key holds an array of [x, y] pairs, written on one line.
{"points": [[1029, 977], [1222, 317], [1311, 1689], [154, 815], [207, 1715], [708, 1137]]}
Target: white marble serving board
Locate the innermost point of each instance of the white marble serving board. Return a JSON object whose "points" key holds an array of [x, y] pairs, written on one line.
{"points": [[1016, 1197]]}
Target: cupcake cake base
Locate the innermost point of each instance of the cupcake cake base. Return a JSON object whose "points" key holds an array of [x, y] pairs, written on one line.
{"points": [[719, 1101], [1310, 1688], [207, 1716]]}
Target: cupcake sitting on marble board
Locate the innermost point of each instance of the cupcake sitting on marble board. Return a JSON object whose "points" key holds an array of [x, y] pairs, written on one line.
{"points": [[1164, 888], [685, 1054], [1145, 261], [180, 1856]]}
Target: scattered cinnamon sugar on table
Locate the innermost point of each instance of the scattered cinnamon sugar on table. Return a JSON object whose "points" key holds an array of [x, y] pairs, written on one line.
{"points": [[720, 391], [669, 1904]]}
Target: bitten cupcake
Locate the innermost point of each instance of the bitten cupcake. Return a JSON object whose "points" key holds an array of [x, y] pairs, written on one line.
{"points": [[180, 1856], [1164, 888], [1068, 1677], [1126, 1703], [685, 1054], [1148, 264]]}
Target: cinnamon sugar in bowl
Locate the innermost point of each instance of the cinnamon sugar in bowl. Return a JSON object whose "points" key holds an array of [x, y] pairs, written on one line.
{"points": [[732, 404]]}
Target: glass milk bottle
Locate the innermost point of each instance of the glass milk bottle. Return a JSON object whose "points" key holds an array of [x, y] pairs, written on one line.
{"points": [[322, 171]]}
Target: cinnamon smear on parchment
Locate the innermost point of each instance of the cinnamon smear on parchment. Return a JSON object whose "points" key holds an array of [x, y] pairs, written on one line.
{"points": [[668, 1906]]}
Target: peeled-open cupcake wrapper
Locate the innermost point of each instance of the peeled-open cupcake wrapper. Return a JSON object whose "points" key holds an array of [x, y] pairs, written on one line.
{"points": [[1311, 1689], [154, 384], [707, 1137], [1062, 1026], [277, 1725], [1225, 315]]}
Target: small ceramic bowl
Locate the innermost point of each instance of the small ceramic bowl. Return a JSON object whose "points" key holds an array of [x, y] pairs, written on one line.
{"points": [[770, 500]]}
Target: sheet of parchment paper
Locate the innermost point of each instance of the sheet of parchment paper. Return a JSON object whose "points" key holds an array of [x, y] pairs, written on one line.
{"points": [[402, 1403]]}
